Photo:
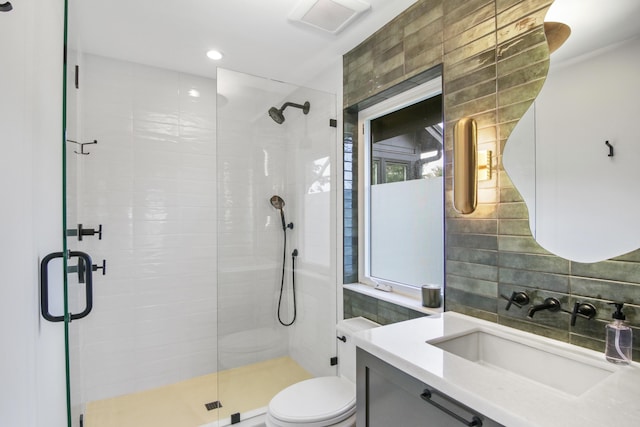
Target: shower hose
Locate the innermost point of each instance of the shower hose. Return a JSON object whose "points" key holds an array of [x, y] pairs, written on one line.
{"points": [[294, 254]]}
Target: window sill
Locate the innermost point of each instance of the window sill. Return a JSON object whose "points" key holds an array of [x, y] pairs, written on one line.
{"points": [[403, 300]]}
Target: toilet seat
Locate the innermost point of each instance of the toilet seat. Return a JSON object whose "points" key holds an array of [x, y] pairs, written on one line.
{"points": [[323, 401]]}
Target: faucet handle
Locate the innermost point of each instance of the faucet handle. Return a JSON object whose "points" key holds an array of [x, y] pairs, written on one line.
{"points": [[584, 310], [518, 299]]}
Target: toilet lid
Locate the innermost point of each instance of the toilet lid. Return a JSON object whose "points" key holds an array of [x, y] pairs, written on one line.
{"points": [[317, 399]]}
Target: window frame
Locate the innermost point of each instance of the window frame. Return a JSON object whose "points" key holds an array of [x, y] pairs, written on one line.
{"points": [[412, 96]]}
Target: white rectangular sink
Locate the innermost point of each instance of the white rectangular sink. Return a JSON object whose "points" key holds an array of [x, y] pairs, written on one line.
{"points": [[536, 361]]}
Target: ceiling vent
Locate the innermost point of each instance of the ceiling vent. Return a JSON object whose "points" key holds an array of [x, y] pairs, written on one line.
{"points": [[328, 15]]}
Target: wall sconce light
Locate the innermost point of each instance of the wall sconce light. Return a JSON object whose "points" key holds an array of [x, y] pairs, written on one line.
{"points": [[465, 165]]}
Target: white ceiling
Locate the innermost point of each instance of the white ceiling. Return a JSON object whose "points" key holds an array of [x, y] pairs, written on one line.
{"points": [[255, 35], [257, 38]]}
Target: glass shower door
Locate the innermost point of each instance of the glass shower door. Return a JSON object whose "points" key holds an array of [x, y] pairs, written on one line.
{"points": [[140, 199], [276, 206], [169, 178]]}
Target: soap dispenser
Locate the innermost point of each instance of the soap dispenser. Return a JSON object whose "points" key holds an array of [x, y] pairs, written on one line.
{"points": [[619, 336]]}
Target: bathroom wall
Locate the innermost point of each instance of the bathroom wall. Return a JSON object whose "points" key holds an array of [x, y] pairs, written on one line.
{"points": [[151, 182], [494, 59], [382, 312], [32, 355]]}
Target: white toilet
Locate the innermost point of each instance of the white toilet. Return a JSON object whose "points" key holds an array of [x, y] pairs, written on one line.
{"points": [[323, 401]]}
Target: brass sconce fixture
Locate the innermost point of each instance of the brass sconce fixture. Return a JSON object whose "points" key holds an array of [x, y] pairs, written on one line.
{"points": [[557, 33], [465, 165]]}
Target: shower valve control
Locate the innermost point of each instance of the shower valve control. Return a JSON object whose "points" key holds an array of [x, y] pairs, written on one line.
{"points": [[81, 231], [81, 268], [102, 267]]}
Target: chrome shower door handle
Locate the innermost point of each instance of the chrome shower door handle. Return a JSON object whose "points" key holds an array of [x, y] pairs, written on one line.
{"points": [[44, 286]]}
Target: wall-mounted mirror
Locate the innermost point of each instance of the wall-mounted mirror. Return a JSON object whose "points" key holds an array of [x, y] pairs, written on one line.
{"points": [[582, 193]]}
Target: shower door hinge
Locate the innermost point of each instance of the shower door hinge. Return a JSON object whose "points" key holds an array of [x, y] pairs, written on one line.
{"points": [[333, 361], [333, 123], [235, 418]]}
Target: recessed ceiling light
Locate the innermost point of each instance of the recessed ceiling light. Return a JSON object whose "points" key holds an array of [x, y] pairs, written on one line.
{"points": [[214, 54]]}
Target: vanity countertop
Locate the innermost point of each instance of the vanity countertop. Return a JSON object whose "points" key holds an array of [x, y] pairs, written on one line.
{"points": [[510, 400]]}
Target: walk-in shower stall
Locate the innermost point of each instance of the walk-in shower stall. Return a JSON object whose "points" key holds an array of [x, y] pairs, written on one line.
{"points": [[169, 180]]}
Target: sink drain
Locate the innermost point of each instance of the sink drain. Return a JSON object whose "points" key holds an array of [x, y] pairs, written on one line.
{"points": [[213, 405]]}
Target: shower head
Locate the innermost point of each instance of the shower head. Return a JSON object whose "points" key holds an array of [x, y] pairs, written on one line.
{"points": [[277, 202], [278, 117], [6, 7]]}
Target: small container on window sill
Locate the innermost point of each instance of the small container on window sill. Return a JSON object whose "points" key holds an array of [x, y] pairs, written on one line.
{"points": [[431, 296]]}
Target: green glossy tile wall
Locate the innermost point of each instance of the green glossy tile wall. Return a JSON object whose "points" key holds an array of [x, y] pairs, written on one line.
{"points": [[382, 312], [494, 61]]}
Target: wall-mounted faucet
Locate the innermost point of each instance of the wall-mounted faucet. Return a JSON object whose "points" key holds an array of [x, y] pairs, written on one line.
{"points": [[551, 304], [518, 299]]}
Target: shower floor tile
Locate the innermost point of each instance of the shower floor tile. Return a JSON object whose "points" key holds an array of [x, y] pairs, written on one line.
{"points": [[183, 404]]}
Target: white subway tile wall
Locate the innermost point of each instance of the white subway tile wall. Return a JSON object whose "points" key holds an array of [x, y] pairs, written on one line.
{"points": [[151, 182]]}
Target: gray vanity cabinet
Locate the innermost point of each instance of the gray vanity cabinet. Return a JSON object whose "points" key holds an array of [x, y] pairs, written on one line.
{"points": [[388, 397]]}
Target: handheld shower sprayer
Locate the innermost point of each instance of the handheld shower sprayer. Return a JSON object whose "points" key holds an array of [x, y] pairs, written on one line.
{"points": [[278, 203]]}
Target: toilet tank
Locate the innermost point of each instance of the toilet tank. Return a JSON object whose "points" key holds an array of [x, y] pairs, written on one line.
{"points": [[347, 349]]}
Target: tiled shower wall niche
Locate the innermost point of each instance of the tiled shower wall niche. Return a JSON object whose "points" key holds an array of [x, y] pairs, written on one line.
{"points": [[495, 59]]}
